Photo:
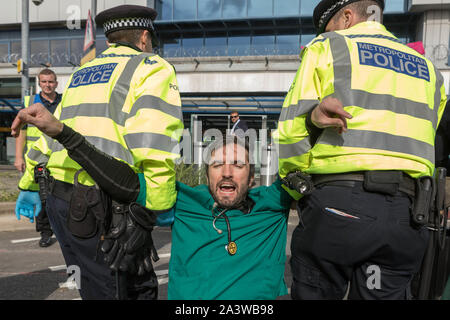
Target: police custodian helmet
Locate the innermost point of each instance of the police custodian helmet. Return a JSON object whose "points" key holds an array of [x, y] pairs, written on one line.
{"points": [[326, 9], [128, 17]]}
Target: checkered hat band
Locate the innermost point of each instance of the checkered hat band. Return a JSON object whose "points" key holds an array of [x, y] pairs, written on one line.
{"points": [[330, 9], [128, 23]]}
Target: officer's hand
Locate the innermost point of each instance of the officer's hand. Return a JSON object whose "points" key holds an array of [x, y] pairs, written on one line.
{"points": [[28, 204], [38, 116], [330, 113]]}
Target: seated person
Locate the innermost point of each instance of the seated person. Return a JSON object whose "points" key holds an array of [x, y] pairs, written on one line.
{"points": [[228, 242]]}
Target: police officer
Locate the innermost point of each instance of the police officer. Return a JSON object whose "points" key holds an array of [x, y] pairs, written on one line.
{"points": [[29, 134], [117, 130], [360, 118]]}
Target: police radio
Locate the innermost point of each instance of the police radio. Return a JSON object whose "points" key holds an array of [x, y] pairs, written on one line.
{"points": [[42, 178]]}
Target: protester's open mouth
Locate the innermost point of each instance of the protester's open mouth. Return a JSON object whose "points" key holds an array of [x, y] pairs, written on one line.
{"points": [[227, 187]]}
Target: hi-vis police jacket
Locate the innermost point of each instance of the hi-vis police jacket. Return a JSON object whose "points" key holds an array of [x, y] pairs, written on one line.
{"points": [[33, 133], [126, 103], [395, 95]]}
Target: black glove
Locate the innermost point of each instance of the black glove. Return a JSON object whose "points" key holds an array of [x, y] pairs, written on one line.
{"points": [[128, 246]]}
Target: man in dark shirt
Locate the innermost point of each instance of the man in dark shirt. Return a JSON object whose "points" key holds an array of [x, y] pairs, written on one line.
{"points": [[239, 126], [50, 99]]}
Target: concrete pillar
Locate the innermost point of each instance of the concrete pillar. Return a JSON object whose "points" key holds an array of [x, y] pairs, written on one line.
{"points": [[434, 32]]}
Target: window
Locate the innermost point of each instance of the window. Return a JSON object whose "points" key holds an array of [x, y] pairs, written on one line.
{"points": [[171, 48], [239, 46], [263, 45], [16, 51], [192, 47], [100, 45], [209, 9], [234, 9], [307, 8], [39, 52], [4, 54], [216, 46], [166, 9], [288, 44], [76, 50], [59, 52], [306, 38], [394, 6], [260, 8], [286, 8], [185, 9]]}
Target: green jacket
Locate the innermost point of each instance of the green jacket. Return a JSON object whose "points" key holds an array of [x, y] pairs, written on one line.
{"points": [[201, 268]]}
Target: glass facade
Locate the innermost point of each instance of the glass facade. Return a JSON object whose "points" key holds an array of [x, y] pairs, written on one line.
{"points": [[54, 47], [180, 10], [198, 28], [190, 28]]}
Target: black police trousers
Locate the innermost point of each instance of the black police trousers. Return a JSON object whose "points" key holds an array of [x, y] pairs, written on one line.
{"points": [[349, 236], [97, 281]]}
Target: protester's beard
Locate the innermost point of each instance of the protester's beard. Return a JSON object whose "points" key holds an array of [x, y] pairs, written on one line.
{"points": [[229, 203]]}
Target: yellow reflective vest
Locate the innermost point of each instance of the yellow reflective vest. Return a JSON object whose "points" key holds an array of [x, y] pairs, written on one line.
{"points": [[126, 103], [33, 133], [395, 95]]}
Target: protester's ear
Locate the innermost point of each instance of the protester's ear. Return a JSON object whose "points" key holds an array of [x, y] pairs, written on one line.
{"points": [[251, 180]]}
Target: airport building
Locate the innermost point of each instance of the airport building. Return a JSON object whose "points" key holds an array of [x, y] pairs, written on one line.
{"points": [[229, 54]]}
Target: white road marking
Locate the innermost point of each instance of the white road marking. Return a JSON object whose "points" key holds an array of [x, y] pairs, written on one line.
{"points": [[58, 268], [27, 240]]}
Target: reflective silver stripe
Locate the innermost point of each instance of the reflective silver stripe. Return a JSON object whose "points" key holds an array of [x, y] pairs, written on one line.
{"points": [[437, 94], [153, 141], [37, 156], [31, 138], [378, 140], [111, 148], [122, 86], [52, 144], [342, 66], [104, 110], [294, 149], [86, 110], [372, 101], [295, 110], [152, 102], [364, 99]]}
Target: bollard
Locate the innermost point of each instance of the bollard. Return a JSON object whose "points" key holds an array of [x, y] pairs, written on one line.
{"points": [[269, 165]]}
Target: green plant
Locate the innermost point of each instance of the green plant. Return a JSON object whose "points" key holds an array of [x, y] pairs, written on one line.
{"points": [[190, 174], [8, 196]]}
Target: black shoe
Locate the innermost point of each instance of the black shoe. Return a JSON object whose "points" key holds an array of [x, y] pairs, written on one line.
{"points": [[46, 241]]}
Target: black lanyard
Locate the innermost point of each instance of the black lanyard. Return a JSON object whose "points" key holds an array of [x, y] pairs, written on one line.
{"points": [[231, 246]]}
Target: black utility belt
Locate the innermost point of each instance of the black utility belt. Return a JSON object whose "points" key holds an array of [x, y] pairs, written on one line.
{"points": [[60, 189], [382, 181]]}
